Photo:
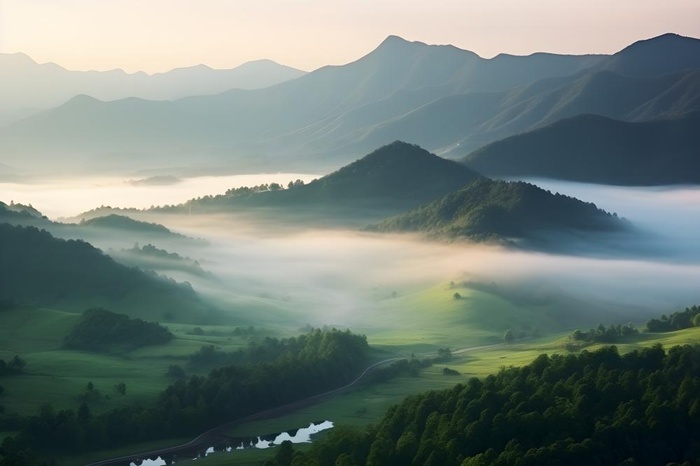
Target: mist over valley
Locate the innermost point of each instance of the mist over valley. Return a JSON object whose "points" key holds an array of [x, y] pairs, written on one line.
{"points": [[449, 259]]}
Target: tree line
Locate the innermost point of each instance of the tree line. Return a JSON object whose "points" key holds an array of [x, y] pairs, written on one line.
{"points": [[690, 317]]}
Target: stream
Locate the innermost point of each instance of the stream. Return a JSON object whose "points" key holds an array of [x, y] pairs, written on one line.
{"points": [[302, 435]]}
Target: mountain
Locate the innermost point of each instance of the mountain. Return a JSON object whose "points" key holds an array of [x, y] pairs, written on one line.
{"points": [[39, 269], [398, 172], [594, 149], [392, 178], [24, 90], [458, 125], [668, 53], [500, 210], [282, 122], [448, 100]]}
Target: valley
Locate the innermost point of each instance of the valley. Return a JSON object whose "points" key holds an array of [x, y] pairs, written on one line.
{"points": [[429, 256]]}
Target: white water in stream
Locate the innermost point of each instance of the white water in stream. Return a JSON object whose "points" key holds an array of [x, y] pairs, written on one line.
{"points": [[302, 435]]}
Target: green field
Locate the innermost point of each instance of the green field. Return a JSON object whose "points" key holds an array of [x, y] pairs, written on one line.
{"points": [[58, 376], [398, 328]]}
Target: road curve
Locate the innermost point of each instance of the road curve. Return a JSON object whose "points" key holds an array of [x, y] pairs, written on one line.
{"points": [[209, 436]]}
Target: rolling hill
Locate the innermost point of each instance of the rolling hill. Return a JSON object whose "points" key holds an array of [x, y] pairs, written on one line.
{"points": [[594, 149], [500, 210], [41, 270], [127, 224]]}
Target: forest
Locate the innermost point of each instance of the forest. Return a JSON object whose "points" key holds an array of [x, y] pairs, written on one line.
{"points": [[595, 408], [306, 365]]}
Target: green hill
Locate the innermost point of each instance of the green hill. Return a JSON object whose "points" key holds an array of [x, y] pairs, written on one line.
{"points": [[396, 173], [393, 178], [596, 149], [121, 222], [39, 269], [488, 209]]}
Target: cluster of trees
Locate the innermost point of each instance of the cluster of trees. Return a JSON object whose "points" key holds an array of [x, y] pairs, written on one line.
{"points": [[236, 332], [101, 330], [257, 351], [14, 366], [150, 250], [594, 408], [601, 334], [245, 193], [309, 364], [245, 190], [690, 317]]}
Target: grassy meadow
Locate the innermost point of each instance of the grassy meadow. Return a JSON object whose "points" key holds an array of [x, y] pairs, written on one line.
{"points": [[472, 326]]}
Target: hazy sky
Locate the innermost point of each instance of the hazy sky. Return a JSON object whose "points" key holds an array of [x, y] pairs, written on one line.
{"points": [[158, 35]]}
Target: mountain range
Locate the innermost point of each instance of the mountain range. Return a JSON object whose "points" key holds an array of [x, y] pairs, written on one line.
{"points": [[29, 87], [448, 100]]}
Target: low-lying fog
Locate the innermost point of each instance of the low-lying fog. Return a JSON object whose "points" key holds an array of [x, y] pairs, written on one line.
{"points": [[342, 277], [671, 214], [335, 276], [67, 197]]}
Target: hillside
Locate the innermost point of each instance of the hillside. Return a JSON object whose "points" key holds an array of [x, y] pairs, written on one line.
{"points": [[592, 408], [499, 210], [42, 270], [595, 149], [392, 178], [122, 222], [398, 172]]}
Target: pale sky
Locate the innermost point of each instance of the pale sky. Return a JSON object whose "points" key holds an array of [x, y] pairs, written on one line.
{"points": [[158, 35]]}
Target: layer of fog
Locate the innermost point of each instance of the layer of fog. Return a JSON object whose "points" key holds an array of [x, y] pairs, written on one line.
{"points": [[347, 278], [339, 277], [669, 216], [68, 197]]}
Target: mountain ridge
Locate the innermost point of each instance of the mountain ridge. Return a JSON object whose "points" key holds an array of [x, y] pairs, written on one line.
{"points": [[440, 97], [596, 149]]}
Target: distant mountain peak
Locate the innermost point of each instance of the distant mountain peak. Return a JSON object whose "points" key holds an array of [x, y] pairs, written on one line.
{"points": [[395, 40], [83, 99], [17, 59], [670, 39], [665, 54]]}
